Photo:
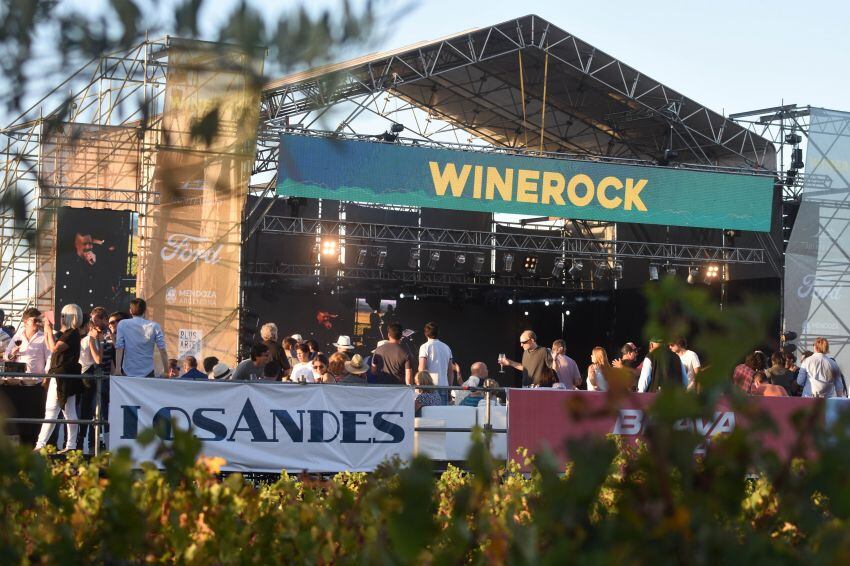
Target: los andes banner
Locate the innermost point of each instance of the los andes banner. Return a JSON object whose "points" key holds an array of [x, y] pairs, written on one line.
{"points": [[267, 427], [386, 173], [540, 419]]}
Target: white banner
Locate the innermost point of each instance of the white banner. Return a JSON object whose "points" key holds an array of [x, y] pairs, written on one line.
{"points": [[267, 427]]}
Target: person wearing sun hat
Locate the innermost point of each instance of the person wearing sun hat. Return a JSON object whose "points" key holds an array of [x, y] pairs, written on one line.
{"points": [[661, 368], [355, 370], [343, 345]]}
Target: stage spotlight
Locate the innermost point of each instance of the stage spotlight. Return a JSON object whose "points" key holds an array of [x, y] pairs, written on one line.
{"points": [[558, 268], [478, 264], [401, 295], [413, 262], [361, 257], [433, 259], [328, 247], [509, 262], [381, 258], [797, 158], [510, 301], [460, 261], [618, 270], [693, 273], [711, 273], [653, 273], [526, 313], [671, 270], [576, 269], [530, 263], [602, 270], [545, 303]]}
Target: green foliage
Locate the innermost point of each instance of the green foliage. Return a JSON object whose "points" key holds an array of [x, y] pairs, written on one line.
{"points": [[651, 503]]}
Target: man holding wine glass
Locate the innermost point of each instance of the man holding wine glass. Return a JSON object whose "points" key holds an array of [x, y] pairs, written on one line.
{"points": [[534, 360]]}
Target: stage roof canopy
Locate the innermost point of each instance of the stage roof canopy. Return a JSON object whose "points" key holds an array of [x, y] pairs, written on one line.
{"points": [[594, 103]]}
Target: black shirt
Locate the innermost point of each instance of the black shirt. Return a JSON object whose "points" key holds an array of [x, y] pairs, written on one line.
{"points": [[68, 359], [276, 354], [396, 359]]}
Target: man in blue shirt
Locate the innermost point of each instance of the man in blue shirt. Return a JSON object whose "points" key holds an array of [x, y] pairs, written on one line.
{"points": [[190, 369], [135, 342]]}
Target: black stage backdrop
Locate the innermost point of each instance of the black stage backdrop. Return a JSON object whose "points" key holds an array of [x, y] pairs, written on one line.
{"points": [[91, 258]]}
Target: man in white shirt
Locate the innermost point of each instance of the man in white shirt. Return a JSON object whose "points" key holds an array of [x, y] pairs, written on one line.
{"points": [[820, 375], [689, 359], [135, 341], [435, 357], [27, 346]]}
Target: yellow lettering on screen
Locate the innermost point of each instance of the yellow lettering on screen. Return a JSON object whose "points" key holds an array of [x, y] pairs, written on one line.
{"points": [[449, 177], [572, 193], [496, 182], [601, 195], [553, 187], [476, 182], [633, 194], [526, 185]]}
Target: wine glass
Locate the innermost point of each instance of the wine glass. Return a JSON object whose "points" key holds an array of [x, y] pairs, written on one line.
{"points": [[501, 367]]}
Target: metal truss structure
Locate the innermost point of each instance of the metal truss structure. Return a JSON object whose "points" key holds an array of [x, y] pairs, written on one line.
{"points": [[555, 243]]}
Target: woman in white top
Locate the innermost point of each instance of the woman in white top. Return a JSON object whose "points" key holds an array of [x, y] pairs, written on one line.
{"points": [[595, 377]]}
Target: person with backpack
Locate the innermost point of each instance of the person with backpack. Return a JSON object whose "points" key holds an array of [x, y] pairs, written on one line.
{"points": [[819, 374]]}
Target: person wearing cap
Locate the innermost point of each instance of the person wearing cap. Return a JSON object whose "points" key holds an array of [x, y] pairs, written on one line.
{"points": [[661, 368], [343, 345], [220, 371], [356, 369], [395, 360]]}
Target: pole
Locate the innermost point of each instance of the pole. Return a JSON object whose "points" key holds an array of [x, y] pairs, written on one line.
{"points": [[98, 391]]}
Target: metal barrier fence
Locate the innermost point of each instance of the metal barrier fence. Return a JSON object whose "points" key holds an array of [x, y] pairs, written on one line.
{"points": [[97, 422]]}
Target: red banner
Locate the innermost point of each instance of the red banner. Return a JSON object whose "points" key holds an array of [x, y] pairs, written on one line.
{"points": [[546, 419]]}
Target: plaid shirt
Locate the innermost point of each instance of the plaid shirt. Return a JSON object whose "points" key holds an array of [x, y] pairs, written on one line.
{"points": [[743, 377]]}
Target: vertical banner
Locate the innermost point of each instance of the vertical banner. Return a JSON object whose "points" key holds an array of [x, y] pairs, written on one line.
{"points": [[190, 266], [817, 299], [266, 427]]}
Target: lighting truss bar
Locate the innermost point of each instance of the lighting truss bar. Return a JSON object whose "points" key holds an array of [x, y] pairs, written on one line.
{"points": [[586, 247]]}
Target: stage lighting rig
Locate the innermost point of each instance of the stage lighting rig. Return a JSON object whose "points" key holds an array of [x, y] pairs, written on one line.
{"points": [[618, 270], [329, 247], [711, 273], [392, 134], [433, 259], [477, 264], [460, 261], [381, 258], [530, 264], [693, 273], [509, 262], [602, 270], [413, 261], [361, 257], [653, 273], [558, 268], [575, 269], [670, 269]]}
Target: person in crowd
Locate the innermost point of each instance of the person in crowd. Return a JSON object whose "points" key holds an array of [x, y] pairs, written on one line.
{"points": [[595, 371], [28, 346], [252, 368], [64, 360], [190, 369], [303, 370], [298, 339], [661, 368], [763, 387], [628, 360], [377, 374], [396, 359], [534, 359], [548, 377], [5, 337], [93, 351], [320, 369], [477, 397], [791, 365], [289, 344], [135, 343], [268, 332], [436, 357], [566, 367], [425, 397], [689, 359], [173, 368], [820, 375], [209, 363], [478, 373], [743, 374], [778, 374], [336, 367], [314, 348], [355, 371], [343, 345], [221, 371], [272, 371]]}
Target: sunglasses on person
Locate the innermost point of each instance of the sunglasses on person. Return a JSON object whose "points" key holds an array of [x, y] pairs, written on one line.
{"points": [[524, 342], [111, 322]]}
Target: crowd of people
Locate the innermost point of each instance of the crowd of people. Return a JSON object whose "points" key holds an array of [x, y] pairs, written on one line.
{"points": [[127, 344]]}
